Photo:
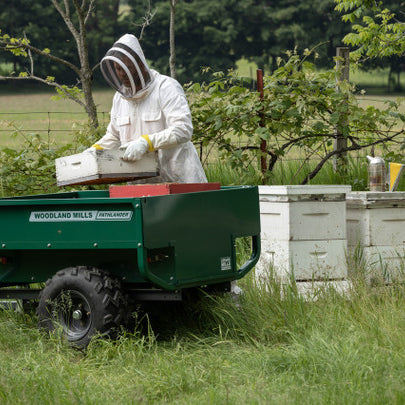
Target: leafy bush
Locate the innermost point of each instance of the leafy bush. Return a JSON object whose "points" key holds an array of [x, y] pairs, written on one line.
{"points": [[31, 169], [300, 113]]}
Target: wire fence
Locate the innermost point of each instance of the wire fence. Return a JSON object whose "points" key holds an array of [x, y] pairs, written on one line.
{"points": [[61, 125], [46, 122]]}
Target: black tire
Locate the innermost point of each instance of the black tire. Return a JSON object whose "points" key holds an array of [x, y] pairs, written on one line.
{"points": [[84, 302]]}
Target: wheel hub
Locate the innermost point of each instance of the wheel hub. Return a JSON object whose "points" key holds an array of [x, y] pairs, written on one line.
{"points": [[75, 315]]}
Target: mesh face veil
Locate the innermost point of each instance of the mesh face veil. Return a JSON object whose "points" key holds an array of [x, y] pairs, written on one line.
{"points": [[124, 69]]}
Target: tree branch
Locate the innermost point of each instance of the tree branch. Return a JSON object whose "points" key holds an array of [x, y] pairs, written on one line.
{"points": [[89, 11], [147, 19], [19, 44], [67, 9], [312, 174], [30, 57], [95, 67], [49, 83], [66, 18]]}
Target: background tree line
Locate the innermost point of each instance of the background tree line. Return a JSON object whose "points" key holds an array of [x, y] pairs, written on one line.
{"points": [[208, 32], [302, 105], [42, 24], [218, 34]]}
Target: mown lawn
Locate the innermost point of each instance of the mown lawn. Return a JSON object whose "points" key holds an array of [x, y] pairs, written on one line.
{"points": [[40, 113]]}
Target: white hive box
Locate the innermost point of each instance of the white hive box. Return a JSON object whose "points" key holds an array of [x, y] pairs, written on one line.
{"points": [[376, 225], [303, 231], [104, 166]]}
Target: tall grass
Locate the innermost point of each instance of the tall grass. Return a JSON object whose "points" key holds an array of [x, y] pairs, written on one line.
{"points": [[269, 346], [292, 172]]}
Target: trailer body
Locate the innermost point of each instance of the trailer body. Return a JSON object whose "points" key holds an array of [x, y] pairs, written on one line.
{"points": [[169, 241], [152, 248]]}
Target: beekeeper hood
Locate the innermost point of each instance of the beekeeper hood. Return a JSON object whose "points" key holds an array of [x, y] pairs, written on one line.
{"points": [[125, 68]]}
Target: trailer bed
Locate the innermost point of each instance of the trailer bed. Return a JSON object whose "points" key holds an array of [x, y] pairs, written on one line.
{"points": [[169, 242]]}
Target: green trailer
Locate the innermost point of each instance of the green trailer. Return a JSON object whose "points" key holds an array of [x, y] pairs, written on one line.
{"points": [[93, 253]]}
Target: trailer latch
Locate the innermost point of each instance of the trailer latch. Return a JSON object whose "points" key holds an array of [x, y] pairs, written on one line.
{"points": [[160, 257]]}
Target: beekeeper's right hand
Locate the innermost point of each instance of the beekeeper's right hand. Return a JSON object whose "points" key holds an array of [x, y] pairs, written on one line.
{"points": [[135, 150]]}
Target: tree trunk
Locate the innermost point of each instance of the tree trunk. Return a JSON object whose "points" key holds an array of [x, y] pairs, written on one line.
{"points": [[79, 33], [90, 105], [87, 80], [76, 23], [172, 59], [340, 141]]}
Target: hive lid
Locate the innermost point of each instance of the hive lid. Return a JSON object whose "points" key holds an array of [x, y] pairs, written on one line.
{"points": [[291, 193], [371, 199]]}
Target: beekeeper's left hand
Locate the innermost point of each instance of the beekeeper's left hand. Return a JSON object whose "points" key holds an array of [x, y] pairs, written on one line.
{"points": [[135, 150], [93, 149]]}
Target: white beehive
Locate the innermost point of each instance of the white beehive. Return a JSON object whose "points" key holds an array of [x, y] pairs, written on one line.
{"points": [[376, 225], [104, 166], [303, 231]]}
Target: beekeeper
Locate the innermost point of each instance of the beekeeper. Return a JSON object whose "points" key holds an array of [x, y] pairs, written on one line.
{"points": [[149, 112]]}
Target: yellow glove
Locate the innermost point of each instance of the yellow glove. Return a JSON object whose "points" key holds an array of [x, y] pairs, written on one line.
{"points": [[93, 148], [151, 148]]}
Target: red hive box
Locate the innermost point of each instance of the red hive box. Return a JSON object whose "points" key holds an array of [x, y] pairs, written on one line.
{"points": [[147, 190]]}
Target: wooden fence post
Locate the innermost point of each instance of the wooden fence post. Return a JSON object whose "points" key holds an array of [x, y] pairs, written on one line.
{"points": [[263, 143], [342, 68]]}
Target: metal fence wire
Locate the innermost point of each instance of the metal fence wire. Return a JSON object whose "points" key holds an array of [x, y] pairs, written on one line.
{"points": [[45, 122], [60, 126]]}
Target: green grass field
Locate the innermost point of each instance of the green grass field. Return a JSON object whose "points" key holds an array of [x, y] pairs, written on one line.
{"points": [[272, 348], [375, 82], [40, 113]]}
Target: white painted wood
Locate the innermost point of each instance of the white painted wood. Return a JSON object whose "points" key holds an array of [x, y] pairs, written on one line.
{"points": [[305, 260], [376, 219], [303, 231], [306, 220], [291, 193], [104, 166], [376, 232]]}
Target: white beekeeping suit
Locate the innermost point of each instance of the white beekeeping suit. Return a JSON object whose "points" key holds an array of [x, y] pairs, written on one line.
{"points": [[149, 112]]}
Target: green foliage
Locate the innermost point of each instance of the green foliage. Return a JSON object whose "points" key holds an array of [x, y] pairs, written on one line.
{"points": [[14, 45], [30, 169], [379, 32], [75, 18], [299, 114], [41, 23], [73, 92]]}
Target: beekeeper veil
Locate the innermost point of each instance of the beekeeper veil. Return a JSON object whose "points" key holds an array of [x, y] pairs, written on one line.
{"points": [[125, 68]]}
